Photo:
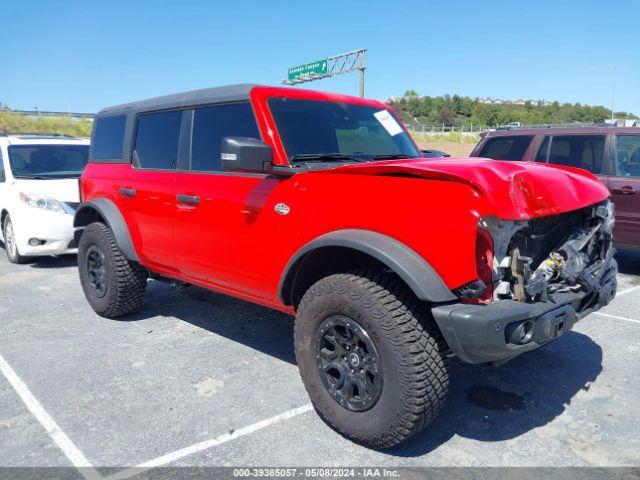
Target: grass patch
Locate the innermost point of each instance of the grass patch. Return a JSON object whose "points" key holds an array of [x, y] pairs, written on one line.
{"points": [[15, 123], [455, 137]]}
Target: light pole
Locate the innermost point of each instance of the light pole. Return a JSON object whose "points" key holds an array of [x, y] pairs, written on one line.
{"points": [[613, 93]]}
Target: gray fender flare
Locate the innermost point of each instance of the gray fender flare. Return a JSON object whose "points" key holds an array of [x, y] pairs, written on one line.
{"points": [[421, 278], [112, 216]]}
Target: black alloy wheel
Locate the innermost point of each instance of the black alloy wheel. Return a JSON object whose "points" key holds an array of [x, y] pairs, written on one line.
{"points": [[97, 270], [348, 363]]}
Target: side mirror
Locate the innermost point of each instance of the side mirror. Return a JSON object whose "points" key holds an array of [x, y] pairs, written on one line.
{"points": [[244, 154]]}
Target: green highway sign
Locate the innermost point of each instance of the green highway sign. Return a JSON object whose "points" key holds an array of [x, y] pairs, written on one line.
{"points": [[319, 68]]}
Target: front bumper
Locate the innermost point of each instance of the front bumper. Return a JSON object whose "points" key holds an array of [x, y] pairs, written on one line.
{"points": [[502, 330], [55, 231]]}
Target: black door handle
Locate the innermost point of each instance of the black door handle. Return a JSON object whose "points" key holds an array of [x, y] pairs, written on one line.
{"points": [[127, 192], [191, 199]]}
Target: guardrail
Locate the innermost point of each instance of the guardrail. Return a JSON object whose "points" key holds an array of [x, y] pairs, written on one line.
{"points": [[43, 113], [447, 128]]}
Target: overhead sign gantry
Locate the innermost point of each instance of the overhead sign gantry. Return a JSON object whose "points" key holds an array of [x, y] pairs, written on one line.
{"points": [[354, 61]]}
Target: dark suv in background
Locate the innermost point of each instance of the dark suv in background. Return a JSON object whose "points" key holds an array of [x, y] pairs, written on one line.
{"points": [[611, 153]]}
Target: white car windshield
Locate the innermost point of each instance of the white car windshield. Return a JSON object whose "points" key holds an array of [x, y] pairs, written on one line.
{"points": [[48, 161]]}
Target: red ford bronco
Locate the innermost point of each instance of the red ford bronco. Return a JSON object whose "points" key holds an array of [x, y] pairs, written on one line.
{"points": [[322, 206]]}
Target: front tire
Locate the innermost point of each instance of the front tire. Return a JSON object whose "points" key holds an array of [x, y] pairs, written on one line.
{"points": [[371, 357], [113, 285], [10, 243]]}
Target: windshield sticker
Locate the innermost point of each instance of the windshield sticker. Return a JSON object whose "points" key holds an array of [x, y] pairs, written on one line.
{"points": [[388, 122]]}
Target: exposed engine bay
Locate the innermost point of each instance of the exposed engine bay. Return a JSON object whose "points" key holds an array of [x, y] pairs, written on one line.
{"points": [[570, 252]]}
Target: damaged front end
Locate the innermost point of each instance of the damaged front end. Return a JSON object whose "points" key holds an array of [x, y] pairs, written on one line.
{"points": [[572, 252], [546, 274]]}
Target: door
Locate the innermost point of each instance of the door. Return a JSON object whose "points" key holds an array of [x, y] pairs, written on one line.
{"points": [[3, 189], [625, 190], [146, 194], [223, 219]]}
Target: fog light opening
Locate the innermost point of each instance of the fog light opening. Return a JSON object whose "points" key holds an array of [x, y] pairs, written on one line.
{"points": [[36, 242], [520, 333]]}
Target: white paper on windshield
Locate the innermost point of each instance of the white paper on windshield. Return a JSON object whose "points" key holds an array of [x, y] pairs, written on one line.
{"points": [[388, 122]]}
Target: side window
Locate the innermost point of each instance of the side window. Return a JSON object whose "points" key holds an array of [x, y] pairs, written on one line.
{"points": [[506, 148], [108, 137], [543, 151], [211, 125], [157, 137], [628, 155], [581, 151]]}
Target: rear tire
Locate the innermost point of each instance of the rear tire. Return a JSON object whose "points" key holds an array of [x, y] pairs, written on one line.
{"points": [[10, 244], [410, 378], [113, 285]]}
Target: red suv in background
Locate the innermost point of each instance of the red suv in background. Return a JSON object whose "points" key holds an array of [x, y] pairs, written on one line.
{"points": [[611, 153], [323, 207]]}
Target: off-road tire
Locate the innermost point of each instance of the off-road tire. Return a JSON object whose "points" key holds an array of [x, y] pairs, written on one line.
{"points": [[13, 254], [126, 281], [410, 346]]}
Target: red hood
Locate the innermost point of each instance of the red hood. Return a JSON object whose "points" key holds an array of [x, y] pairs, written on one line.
{"points": [[517, 190]]}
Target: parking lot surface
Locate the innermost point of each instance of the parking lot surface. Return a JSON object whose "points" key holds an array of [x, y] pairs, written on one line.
{"points": [[199, 379]]}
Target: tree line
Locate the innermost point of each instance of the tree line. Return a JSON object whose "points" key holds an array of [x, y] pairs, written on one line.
{"points": [[458, 110]]}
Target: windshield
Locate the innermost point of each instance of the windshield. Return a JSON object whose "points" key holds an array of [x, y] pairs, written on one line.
{"points": [[48, 161], [329, 131]]}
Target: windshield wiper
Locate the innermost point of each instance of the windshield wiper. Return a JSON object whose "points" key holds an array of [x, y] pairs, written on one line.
{"points": [[390, 156], [324, 157]]}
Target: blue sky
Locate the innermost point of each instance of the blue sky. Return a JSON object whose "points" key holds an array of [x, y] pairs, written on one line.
{"points": [[85, 55]]}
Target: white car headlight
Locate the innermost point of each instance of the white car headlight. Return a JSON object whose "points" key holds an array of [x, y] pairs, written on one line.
{"points": [[45, 203]]}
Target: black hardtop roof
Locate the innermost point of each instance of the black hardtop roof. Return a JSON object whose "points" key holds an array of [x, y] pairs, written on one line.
{"points": [[228, 93]]}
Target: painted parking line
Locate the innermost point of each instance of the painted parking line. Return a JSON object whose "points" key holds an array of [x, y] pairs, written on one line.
{"points": [[207, 444], [616, 317], [628, 290], [64, 443]]}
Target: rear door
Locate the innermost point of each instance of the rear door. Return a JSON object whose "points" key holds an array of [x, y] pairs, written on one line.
{"points": [[625, 189], [223, 219], [147, 193]]}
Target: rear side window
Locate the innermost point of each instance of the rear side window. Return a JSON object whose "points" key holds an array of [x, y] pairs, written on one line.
{"points": [[506, 148], [157, 138], [580, 151], [108, 137], [211, 125], [628, 155]]}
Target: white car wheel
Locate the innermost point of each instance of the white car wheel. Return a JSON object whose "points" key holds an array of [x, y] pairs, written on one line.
{"points": [[10, 242]]}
